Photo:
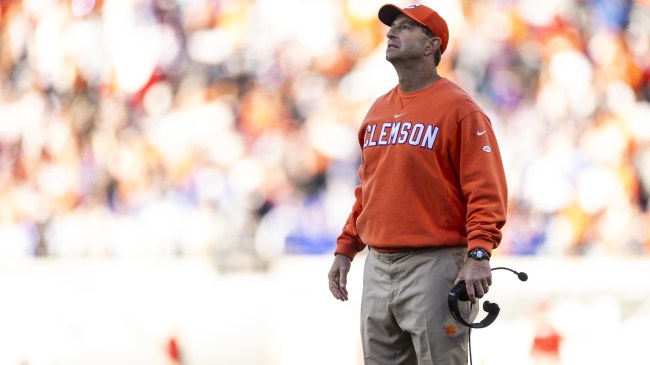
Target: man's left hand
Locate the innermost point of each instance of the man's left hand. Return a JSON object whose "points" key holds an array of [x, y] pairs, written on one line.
{"points": [[477, 276]]}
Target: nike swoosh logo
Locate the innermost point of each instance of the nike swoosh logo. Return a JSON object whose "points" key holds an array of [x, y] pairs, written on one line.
{"points": [[398, 115], [480, 133]]}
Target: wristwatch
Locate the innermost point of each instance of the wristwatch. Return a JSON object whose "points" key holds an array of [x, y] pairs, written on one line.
{"points": [[479, 254]]}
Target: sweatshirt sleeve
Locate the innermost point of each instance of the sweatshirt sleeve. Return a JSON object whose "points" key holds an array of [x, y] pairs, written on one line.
{"points": [[348, 243], [483, 182]]}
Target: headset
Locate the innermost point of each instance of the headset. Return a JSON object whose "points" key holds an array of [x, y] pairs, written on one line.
{"points": [[459, 293]]}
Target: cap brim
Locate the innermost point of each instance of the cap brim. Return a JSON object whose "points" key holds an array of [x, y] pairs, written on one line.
{"points": [[388, 13]]}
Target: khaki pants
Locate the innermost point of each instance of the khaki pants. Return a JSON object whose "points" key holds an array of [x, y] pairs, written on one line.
{"points": [[405, 318]]}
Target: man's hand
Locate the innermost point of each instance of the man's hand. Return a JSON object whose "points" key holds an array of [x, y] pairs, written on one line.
{"points": [[477, 276], [338, 277]]}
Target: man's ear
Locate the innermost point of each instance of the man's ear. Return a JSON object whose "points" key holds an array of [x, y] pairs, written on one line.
{"points": [[433, 44]]}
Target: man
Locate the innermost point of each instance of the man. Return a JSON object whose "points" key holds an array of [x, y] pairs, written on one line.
{"points": [[430, 204]]}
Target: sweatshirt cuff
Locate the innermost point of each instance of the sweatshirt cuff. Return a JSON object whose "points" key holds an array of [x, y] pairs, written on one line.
{"points": [[346, 251], [486, 245]]}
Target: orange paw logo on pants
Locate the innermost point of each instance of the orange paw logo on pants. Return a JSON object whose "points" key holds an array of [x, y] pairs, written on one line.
{"points": [[451, 329]]}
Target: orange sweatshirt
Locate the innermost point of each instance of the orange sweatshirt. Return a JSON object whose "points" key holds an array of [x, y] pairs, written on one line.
{"points": [[431, 175]]}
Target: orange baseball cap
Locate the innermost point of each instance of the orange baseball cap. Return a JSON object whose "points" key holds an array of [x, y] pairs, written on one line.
{"points": [[421, 14]]}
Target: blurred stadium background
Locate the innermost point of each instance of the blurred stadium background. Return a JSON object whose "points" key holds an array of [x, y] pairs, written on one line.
{"points": [[173, 175]]}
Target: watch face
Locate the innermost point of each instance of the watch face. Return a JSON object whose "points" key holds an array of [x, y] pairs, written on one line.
{"points": [[478, 254]]}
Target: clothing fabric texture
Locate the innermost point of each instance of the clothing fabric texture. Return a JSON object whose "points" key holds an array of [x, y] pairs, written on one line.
{"points": [[431, 175], [404, 316]]}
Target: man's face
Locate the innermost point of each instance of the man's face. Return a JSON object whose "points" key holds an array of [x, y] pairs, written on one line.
{"points": [[406, 40]]}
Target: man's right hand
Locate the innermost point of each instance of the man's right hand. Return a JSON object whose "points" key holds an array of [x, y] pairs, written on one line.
{"points": [[338, 277]]}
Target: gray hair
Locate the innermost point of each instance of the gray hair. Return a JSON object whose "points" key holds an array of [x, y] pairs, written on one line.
{"points": [[429, 33]]}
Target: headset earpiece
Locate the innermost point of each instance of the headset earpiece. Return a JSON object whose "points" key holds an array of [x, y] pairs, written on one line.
{"points": [[491, 307]]}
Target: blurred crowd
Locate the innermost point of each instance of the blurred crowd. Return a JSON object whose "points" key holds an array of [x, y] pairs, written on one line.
{"points": [[153, 128]]}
